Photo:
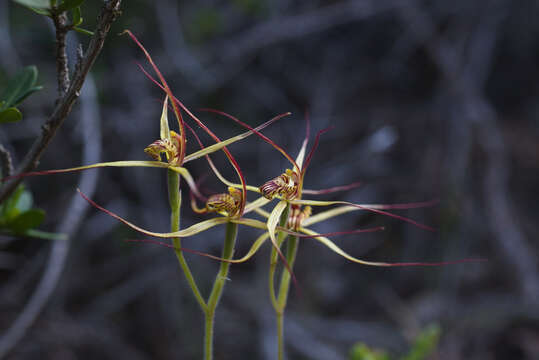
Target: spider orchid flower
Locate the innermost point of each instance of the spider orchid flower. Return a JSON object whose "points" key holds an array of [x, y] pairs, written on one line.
{"points": [[170, 143], [288, 188], [228, 205]]}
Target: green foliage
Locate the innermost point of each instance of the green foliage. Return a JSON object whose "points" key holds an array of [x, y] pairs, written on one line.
{"points": [[77, 16], [10, 115], [17, 217], [425, 343], [18, 88], [206, 24], [50, 8], [38, 4], [423, 346], [83, 31], [361, 351], [16, 213], [252, 7], [69, 5], [28, 220], [41, 7]]}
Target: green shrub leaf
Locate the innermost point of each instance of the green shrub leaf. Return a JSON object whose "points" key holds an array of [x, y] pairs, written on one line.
{"points": [[39, 4], [77, 16], [69, 4], [27, 220], [361, 351], [40, 7], [9, 209], [20, 86], [83, 31], [10, 115], [424, 344]]}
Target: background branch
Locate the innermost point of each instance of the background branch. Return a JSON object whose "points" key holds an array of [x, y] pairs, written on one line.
{"points": [[91, 134], [109, 12]]}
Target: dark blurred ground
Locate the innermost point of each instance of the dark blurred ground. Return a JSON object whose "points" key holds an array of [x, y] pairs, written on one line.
{"points": [[428, 98]]}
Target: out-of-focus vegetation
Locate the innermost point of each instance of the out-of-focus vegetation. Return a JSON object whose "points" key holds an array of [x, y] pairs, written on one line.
{"points": [[422, 347], [429, 100]]}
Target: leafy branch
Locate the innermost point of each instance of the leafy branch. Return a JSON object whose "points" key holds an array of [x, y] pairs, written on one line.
{"points": [[69, 90]]}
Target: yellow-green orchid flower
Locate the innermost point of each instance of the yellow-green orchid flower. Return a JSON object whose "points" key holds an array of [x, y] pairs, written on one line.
{"points": [[171, 143], [288, 188], [299, 220]]}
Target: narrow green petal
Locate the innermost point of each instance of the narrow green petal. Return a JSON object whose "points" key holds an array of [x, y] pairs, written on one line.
{"points": [[255, 205], [316, 202], [366, 206], [221, 144], [215, 147], [157, 164], [262, 212], [227, 182], [331, 245], [372, 208], [190, 231], [254, 248], [345, 209], [328, 214], [273, 220], [164, 129], [301, 155], [257, 224]]}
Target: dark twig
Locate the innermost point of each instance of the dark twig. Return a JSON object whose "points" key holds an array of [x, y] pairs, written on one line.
{"points": [[109, 12], [62, 69], [5, 161]]}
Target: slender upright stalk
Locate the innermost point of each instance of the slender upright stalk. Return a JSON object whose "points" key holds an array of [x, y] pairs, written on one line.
{"points": [[217, 290], [273, 258], [291, 251], [175, 200], [279, 302]]}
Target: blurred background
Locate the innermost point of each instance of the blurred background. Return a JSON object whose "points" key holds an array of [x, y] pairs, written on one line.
{"points": [[429, 99]]}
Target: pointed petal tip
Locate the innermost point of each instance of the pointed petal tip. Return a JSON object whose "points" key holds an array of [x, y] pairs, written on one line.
{"points": [[441, 263]]}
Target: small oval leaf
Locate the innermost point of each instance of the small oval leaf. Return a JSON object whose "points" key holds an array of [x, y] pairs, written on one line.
{"points": [[10, 115], [77, 16], [8, 208], [27, 93], [19, 86], [27, 220]]}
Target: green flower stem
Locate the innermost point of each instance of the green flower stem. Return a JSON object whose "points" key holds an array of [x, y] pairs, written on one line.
{"points": [[175, 200], [273, 258], [277, 302], [291, 251], [217, 290]]}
